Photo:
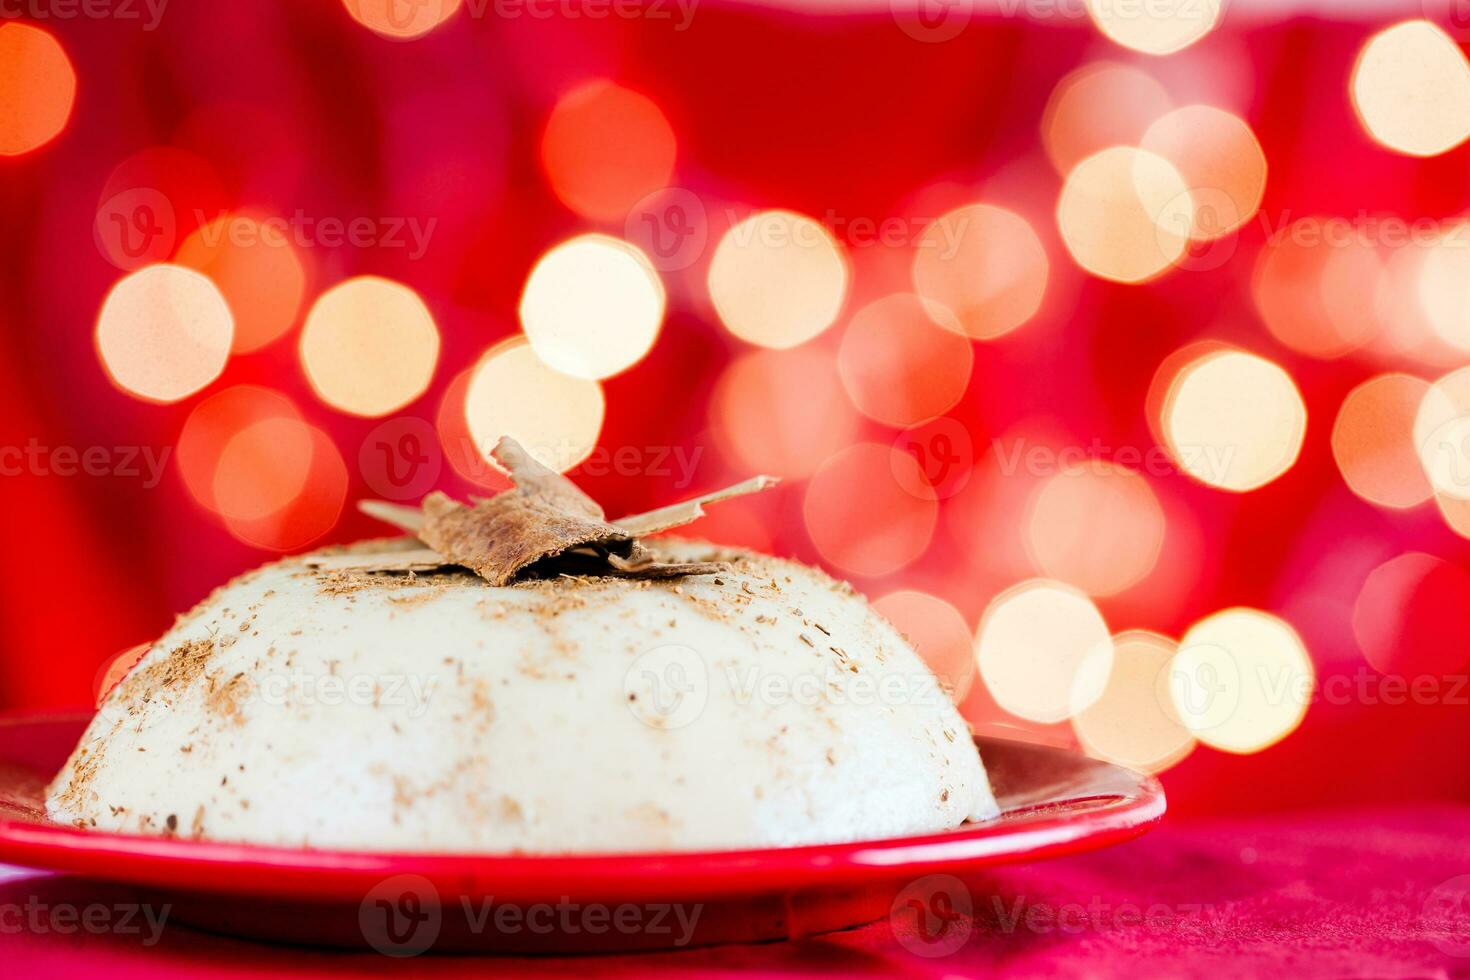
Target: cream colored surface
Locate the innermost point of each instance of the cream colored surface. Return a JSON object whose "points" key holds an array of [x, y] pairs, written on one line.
{"points": [[309, 707]]}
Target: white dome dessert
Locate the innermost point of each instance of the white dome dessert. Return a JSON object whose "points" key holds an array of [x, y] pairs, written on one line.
{"points": [[669, 696], [306, 706]]}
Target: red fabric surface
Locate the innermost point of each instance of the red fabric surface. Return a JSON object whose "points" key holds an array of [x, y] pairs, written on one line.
{"points": [[1346, 894]]}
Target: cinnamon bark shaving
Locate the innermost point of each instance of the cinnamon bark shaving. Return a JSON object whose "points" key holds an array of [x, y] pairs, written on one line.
{"points": [[546, 524]]}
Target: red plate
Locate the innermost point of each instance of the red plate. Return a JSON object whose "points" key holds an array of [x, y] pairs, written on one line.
{"points": [[1053, 802]]}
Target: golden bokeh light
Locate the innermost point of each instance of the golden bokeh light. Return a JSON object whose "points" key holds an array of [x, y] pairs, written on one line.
{"points": [[782, 412], [1133, 722], [313, 512], [1444, 287], [778, 279], [1234, 420], [592, 306], [401, 21], [1031, 647], [256, 268], [1222, 163], [164, 333], [1317, 290], [1409, 618], [1100, 105], [1411, 89], [1158, 27], [1442, 435], [459, 445], [1404, 324], [38, 88], [514, 393], [981, 269], [1125, 214], [369, 346], [262, 468], [859, 515], [899, 367], [1241, 681], [213, 425], [1373, 441], [605, 148], [1157, 396], [938, 631], [1098, 527]]}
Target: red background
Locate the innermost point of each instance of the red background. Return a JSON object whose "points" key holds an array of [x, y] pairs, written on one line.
{"points": [[294, 105]]}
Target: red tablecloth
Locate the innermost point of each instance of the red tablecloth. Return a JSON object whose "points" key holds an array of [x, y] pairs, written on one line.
{"points": [[1367, 893]]}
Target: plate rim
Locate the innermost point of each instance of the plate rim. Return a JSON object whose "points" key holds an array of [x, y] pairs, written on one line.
{"points": [[325, 874]]}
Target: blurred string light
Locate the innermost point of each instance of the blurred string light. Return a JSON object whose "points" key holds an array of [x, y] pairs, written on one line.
{"points": [[938, 631], [1222, 163], [1157, 396], [256, 268], [1098, 527], [778, 279], [262, 468], [1233, 420], [1241, 681], [38, 88], [459, 445], [246, 455], [592, 306], [164, 333], [1444, 286], [1316, 290], [782, 412], [861, 513], [899, 367], [981, 270], [1133, 722], [1409, 618], [1411, 89], [1404, 325], [1031, 647], [1125, 214], [605, 148], [308, 515], [1157, 27], [213, 425], [369, 346], [401, 21], [1100, 105], [512, 392], [1373, 441], [1442, 435]]}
